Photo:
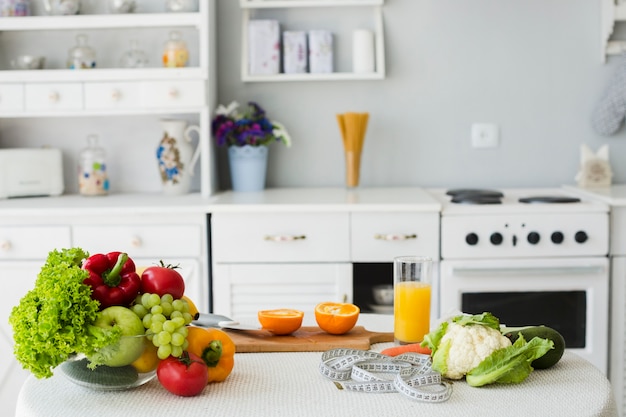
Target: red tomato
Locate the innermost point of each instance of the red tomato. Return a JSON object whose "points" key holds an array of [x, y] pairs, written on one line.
{"points": [[162, 280], [185, 376]]}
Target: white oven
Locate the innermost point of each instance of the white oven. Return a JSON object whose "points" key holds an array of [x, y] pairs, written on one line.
{"points": [[569, 295], [530, 257]]}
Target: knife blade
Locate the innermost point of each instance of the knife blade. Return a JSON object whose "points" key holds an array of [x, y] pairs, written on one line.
{"points": [[223, 322]]}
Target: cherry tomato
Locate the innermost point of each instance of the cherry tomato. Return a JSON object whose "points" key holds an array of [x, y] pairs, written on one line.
{"points": [[185, 376], [162, 280]]}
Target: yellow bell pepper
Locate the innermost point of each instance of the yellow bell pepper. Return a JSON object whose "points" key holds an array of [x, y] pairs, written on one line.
{"points": [[216, 348]]}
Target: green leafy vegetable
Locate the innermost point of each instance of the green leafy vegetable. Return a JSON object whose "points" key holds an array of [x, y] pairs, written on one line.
{"points": [[54, 319], [511, 364]]}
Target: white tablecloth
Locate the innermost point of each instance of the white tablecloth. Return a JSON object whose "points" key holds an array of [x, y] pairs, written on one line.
{"points": [[289, 384]]}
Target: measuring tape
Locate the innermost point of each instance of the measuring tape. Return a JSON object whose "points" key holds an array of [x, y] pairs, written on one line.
{"points": [[362, 370]]}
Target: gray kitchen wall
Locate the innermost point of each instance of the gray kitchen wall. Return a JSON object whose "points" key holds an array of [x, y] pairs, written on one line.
{"points": [[533, 67]]}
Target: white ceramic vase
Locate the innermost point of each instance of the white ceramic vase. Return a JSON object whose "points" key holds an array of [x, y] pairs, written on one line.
{"points": [[176, 156]]}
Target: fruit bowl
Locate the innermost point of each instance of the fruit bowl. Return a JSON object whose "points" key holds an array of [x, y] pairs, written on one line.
{"points": [[125, 375]]}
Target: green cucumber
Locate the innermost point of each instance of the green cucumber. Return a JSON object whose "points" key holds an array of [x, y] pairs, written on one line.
{"points": [[549, 359]]}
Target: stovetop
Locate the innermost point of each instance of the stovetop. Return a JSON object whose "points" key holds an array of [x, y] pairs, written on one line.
{"points": [[521, 223], [514, 200]]}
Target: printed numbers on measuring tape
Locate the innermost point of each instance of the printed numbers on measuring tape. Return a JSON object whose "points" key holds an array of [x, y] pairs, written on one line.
{"points": [[409, 374]]}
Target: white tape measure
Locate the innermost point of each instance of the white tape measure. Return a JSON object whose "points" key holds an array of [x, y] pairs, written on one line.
{"points": [[409, 374]]}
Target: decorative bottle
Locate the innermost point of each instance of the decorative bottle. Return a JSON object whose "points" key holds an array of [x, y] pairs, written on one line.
{"points": [[92, 169]]}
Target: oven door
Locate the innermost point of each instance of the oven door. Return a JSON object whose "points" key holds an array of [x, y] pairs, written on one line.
{"points": [[569, 295]]}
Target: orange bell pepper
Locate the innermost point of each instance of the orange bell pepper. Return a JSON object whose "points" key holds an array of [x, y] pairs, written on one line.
{"points": [[215, 348]]}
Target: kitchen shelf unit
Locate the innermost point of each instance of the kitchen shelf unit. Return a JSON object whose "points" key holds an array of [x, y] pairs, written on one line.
{"points": [[248, 6], [135, 91], [613, 11]]}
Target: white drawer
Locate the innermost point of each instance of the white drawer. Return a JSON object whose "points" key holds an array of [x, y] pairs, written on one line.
{"points": [[173, 93], [379, 237], [112, 95], [54, 96], [148, 241], [32, 242], [12, 97], [283, 237]]}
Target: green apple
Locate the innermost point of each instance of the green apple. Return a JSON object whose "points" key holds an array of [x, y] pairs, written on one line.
{"points": [[131, 345]]}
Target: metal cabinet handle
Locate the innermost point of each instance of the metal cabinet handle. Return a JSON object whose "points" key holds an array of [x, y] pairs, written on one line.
{"points": [[5, 245], [284, 238], [173, 93], [136, 242], [391, 236], [54, 97], [116, 95]]}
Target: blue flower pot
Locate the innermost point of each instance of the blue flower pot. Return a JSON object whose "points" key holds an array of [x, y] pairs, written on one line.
{"points": [[248, 166]]}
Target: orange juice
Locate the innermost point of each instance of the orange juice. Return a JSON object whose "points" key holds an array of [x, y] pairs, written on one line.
{"points": [[411, 311]]}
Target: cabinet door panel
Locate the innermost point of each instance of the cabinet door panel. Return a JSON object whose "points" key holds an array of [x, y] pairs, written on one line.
{"points": [[54, 96], [173, 93], [17, 279], [12, 97], [240, 290], [379, 237], [112, 95], [158, 241], [284, 237], [32, 242]]}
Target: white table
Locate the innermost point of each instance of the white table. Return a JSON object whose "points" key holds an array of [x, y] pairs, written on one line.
{"points": [[289, 384]]}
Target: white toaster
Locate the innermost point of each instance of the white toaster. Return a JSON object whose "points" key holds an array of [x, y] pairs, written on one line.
{"points": [[29, 172]]}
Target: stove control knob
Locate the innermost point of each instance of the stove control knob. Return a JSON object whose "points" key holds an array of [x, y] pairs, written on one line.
{"points": [[557, 237], [533, 238], [496, 238], [471, 239], [581, 237]]}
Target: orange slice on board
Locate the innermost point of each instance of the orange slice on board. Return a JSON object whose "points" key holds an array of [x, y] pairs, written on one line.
{"points": [[281, 321], [336, 318]]}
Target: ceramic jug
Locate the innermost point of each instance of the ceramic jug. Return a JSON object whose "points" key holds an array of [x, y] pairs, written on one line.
{"points": [[176, 156]]}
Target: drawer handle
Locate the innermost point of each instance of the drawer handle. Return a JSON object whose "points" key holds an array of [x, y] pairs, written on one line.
{"points": [[136, 242], [54, 97], [173, 93], [284, 238], [116, 95], [390, 237], [5, 245]]}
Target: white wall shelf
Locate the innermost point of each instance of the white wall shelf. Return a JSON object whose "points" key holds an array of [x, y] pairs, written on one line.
{"points": [[248, 9], [100, 21], [111, 91]]}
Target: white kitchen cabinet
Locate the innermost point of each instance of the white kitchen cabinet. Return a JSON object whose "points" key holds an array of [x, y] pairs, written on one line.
{"points": [[276, 260], [109, 90], [241, 290], [23, 250], [286, 12], [612, 13]]}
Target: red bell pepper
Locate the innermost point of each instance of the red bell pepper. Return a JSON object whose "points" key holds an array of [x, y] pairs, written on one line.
{"points": [[112, 278]]}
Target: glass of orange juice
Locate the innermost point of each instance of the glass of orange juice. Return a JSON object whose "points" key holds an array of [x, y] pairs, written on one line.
{"points": [[412, 281]]}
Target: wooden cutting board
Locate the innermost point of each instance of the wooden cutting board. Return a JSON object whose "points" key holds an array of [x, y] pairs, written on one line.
{"points": [[305, 339]]}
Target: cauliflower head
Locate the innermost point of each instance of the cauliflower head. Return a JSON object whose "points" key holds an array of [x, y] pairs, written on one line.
{"points": [[463, 347]]}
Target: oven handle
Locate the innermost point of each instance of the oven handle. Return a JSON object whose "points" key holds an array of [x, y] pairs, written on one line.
{"points": [[555, 270]]}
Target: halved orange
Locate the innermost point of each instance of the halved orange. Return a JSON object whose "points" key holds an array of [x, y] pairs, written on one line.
{"points": [[336, 318], [281, 321]]}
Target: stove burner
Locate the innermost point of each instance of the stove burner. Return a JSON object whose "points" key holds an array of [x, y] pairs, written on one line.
{"points": [[475, 199], [475, 196], [549, 200], [474, 192]]}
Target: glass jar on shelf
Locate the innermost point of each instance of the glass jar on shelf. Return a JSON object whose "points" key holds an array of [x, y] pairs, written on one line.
{"points": [[175, 52], [93, 177], [82, 56], [61, 7], [14, 7], [134, 57], [122, 6], [181, 6]]}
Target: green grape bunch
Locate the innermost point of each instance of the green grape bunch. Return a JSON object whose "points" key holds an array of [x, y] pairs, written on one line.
{"points": [[165, 320]]}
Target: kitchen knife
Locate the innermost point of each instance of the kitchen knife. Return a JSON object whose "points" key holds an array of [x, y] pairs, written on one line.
{"points": [[223, 322]]}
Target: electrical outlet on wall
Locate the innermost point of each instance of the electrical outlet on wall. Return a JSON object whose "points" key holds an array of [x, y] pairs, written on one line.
{"points": [[485, 135]]}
